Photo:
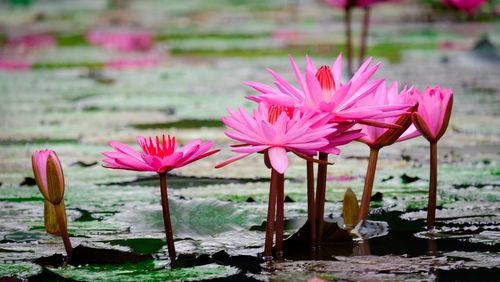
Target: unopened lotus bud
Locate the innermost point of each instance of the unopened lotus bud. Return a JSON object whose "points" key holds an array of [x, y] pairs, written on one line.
{"points": [[350, 209]]}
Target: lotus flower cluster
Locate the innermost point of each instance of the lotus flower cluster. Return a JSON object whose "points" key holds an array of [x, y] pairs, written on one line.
{"points": [[311, 118]]}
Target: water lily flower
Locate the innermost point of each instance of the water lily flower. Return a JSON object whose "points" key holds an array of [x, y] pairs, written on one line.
{"points": [[434, 111], [49, 178], [275, 131], [377, 138], [125, 40], [431, 119], [159, 155], [322, 90], [30, 41], [470, 7]]}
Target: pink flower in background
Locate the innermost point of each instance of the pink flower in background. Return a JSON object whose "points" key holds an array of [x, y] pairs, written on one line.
{"points": [[467, 6], [354, 3], [133, 63], [158, 155], [286, 35], [30, 41], [322, 90], [277, 130], [434, 111], [121, 39], [12, 64], [377, 136]]}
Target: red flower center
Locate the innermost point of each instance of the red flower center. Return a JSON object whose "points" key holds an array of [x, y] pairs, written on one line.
{"points": [[275, 112], [159, 149], [325, 78]]}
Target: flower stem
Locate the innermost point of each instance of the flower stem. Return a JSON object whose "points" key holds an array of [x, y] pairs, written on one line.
{"points": [[280, 215], [166, 219], [320, 197], [431, 206], [348, 38], [61, 221], [271, 210], [364, 34], [367, 190], [311, 212]]}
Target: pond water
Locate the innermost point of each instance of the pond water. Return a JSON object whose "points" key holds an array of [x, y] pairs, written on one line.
{"points": [[72, 103]]}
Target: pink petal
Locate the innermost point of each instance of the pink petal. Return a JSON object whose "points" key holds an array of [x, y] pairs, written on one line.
{"points": [[231, 160], [278, 158]]}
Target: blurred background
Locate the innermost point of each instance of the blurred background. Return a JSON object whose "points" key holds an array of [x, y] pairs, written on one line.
{"points": [[76, 74]]}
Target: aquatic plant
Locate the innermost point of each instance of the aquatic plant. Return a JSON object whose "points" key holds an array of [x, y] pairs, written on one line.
{"points": [[160, 156], [322, 91], [49, 178], [431, 119], [377, 137], [275, 131]]}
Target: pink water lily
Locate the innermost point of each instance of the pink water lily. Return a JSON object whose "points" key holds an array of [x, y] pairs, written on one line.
{"points": [[431, 119], [467, 6], [49, 177], [322, 90], [46, 165], [377, 136], [434, 111], [277, 130], [126, 40], [158, 155]]}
